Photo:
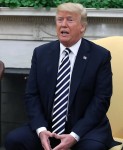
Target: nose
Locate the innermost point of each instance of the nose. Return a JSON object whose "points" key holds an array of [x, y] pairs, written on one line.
{"points": [[64, 23]]}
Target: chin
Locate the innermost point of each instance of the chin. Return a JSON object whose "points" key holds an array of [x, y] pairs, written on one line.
{"points": [[64, 41]]}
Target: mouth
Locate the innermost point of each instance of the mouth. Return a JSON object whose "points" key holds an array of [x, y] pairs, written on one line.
{"points": [[64, 33]]}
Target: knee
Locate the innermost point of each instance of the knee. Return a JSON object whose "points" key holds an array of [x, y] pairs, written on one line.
{"points": [[11, 141], [90, 144]]}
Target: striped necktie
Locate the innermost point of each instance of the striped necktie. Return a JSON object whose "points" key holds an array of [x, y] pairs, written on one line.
{"points": [[60, 106]]}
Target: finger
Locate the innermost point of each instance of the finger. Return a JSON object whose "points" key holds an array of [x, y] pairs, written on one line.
{"points": [[58, 136], [52, 134], [47, 146], [59, 147]]}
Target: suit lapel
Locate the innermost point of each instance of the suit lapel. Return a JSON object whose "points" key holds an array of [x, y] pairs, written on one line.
{"points": [[78, 70], [52, 69]]}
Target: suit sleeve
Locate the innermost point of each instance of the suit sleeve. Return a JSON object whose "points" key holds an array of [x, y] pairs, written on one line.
{"points": [[32, 98], [100, 101]]}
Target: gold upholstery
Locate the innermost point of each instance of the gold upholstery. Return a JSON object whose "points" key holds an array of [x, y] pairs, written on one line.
{"points": [[115, 114]]}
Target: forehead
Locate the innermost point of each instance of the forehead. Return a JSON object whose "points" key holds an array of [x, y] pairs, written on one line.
{"points": [[67, 14]]}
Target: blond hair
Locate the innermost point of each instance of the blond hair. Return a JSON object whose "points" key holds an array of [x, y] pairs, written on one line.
{"points": [[74, 7]]}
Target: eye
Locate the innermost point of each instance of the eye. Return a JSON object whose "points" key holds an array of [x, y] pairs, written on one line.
{"points": [[59, 19], [70, 19]]}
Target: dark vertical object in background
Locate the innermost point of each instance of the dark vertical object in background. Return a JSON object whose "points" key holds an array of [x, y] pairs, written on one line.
{"points": [[1, 75]]}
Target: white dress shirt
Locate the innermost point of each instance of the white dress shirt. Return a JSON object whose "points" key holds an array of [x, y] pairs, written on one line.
{"points": [[74, 50]]}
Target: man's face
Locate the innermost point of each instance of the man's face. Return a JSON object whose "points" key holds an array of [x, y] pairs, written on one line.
{"points": [[69, 27]]}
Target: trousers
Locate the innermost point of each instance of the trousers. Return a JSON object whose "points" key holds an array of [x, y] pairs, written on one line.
{"points": [[24, 138]]}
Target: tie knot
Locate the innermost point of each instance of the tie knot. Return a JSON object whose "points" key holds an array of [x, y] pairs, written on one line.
{"points": [[67, 50]]}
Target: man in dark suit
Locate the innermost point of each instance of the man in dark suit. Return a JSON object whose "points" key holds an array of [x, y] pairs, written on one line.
{"points": [[86, 126]]}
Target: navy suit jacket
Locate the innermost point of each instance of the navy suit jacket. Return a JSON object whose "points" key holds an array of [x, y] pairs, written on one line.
{"points": [[90, 91]]}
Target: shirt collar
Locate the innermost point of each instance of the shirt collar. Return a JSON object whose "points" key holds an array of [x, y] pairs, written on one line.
{"points": [[74, 49]]}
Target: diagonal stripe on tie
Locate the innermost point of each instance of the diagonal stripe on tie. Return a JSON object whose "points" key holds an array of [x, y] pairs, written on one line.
{"points": [[59, 108], [61, 95], [63, 72], [62, 86], [60, 101], [62, 80]]}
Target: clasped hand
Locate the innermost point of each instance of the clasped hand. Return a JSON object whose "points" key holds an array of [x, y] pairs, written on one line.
{"points": [[67, 141]]}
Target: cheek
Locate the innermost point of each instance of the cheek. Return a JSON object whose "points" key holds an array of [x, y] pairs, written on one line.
{"points": [[58, 28]]}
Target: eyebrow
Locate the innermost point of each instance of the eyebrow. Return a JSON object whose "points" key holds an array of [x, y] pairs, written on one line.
{"points": [[63, 17]]}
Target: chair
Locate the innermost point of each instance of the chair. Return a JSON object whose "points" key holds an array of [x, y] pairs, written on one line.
{"points": [[1, 69], [115, 114]]}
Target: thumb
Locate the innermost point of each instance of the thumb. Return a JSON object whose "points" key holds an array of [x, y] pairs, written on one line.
{"points": [[57, 136]]}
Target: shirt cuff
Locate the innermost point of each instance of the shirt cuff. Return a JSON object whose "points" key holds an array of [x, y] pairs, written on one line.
{"points": [[40, 130], [75, 136]]}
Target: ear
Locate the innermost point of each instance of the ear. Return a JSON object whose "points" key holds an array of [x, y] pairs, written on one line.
{"points": [[83, 28]]}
